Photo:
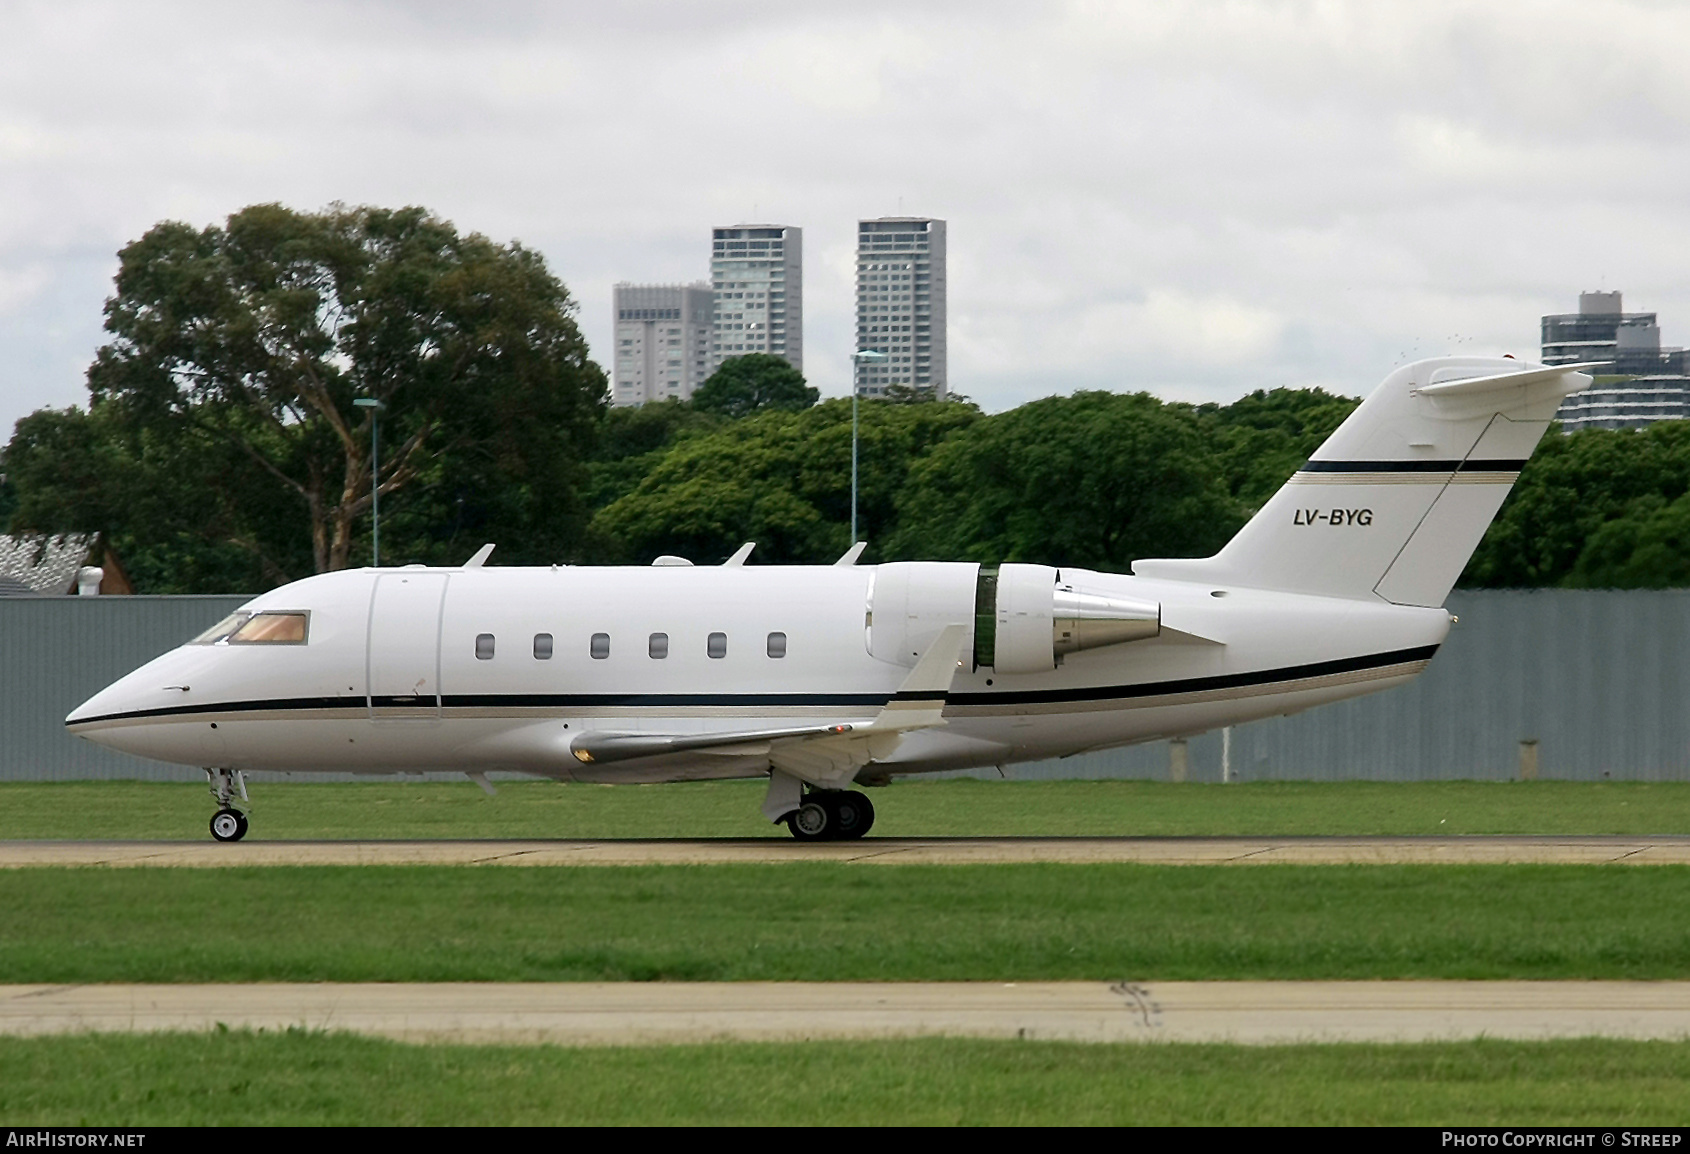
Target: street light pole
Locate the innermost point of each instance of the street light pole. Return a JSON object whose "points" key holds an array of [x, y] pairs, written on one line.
{"points": [[375, 408], [857, 358]]}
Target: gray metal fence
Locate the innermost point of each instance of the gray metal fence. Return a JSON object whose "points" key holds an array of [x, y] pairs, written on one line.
{"points": [[57, 652], [1597, 678]]}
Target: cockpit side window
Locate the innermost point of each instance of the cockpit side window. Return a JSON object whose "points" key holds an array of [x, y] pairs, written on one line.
{"points": [[273, 628], [222, 629]]}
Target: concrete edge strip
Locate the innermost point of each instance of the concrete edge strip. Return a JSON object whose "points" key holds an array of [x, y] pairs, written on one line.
{"points": [[1501, 850], [625, 1013]]}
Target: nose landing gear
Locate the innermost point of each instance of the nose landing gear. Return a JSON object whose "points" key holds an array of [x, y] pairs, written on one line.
{"points": [[228, 823]]}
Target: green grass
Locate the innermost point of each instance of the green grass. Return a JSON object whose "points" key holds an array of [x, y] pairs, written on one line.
{"points": [[295, 1077], [401, 809], [824, 921]]}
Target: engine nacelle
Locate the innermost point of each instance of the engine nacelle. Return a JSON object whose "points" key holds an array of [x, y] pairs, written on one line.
{"points": [[1022, 620], [911, 601], [1038, 620]]}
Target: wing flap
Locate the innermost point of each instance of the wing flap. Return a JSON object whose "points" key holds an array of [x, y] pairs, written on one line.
{"points": [[821, 755], [601, 748]]}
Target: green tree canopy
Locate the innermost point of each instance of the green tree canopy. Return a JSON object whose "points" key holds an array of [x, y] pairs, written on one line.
{"points": [[236, 354], [782, 479], [1264, 437], [1096, 479], [1599, 508], [748, 384]]}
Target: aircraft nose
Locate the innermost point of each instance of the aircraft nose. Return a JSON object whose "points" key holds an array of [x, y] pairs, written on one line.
{"points": [[148, 688]]}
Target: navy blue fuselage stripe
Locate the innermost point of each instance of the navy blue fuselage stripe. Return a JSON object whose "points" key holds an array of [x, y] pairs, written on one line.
{"points": [[1198, 684], [805, 700], [1412, 466]]}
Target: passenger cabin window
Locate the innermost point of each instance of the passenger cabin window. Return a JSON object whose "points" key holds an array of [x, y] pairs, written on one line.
{"points": [[658, 646], [599, 647], [542, 647], [717, 645], [271, 629], [777, 645], [484, 647]]}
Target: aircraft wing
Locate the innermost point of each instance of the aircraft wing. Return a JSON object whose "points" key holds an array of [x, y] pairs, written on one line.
{"points": [[822, 755]]}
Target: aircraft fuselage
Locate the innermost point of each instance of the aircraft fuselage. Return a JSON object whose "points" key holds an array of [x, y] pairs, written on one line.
{"points": [[480, 669]]}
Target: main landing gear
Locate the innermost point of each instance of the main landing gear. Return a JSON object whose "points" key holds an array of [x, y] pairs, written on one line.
{"points": [[228, 823], [831, 815]]}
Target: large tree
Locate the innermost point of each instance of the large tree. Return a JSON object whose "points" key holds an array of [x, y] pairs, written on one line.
{"points": [[782, 479], [1094, 480], [252, 339], [749, 384], [1599, 508]]}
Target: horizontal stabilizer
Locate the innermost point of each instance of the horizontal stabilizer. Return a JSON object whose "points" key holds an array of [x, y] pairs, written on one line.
{"points": [[1575, 379]]}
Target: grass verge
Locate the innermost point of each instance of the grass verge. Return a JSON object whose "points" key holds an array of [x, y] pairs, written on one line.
{"points": [[410, 809], [300, 1078], [825, 921]]}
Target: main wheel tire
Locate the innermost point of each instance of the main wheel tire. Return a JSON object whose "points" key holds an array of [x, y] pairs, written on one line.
{"points": [[228, 825], [812, 821], [853, 814]]}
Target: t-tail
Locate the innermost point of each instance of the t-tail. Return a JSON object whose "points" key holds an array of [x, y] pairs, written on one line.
{"points": [[1393, 505]]}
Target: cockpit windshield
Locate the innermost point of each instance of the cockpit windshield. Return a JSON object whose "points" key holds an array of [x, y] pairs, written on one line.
{"points": [[221, 630], [268, 627]]}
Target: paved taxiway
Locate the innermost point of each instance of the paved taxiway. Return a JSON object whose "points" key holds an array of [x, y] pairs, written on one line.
{"points": [[619, 1013], [1656, 850]]}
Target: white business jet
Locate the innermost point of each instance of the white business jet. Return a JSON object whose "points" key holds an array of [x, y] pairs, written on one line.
{"points": [[824, 677]]}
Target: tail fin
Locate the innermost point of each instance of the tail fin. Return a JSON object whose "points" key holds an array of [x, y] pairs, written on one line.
{"points": [[1394, 503]]}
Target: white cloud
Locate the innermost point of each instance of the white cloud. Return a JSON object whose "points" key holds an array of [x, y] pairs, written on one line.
{"points": [[1194, 197], [19, 286]]}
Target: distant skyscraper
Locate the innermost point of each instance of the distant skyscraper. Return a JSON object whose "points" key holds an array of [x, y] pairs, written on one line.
{"points": [[901, 304], [1639, 383], [757, 274], [662, 342]]}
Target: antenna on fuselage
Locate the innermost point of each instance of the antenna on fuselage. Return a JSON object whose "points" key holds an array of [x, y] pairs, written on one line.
{"points": [[480, 557], [740, 554], [852, 554]]}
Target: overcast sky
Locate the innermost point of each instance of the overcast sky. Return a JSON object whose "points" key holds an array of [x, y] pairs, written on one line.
{"points": [[1197, 199]]}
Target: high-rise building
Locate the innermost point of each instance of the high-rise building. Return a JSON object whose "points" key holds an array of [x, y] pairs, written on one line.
{"points": [[662, 342], [901, 304], [757, 275], [1639, 384]]}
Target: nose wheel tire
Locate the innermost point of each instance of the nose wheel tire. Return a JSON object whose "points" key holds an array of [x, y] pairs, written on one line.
{"points": [[228, 825], [831, 815]]}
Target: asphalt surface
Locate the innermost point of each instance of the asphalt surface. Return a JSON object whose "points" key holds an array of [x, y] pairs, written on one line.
{"points": [[621, 1013], [1658, 850]]}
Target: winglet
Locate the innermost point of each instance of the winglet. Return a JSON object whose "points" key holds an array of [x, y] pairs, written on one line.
{"points": [[920, 700], [740, 554], [851, 555], [480, 557]]}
